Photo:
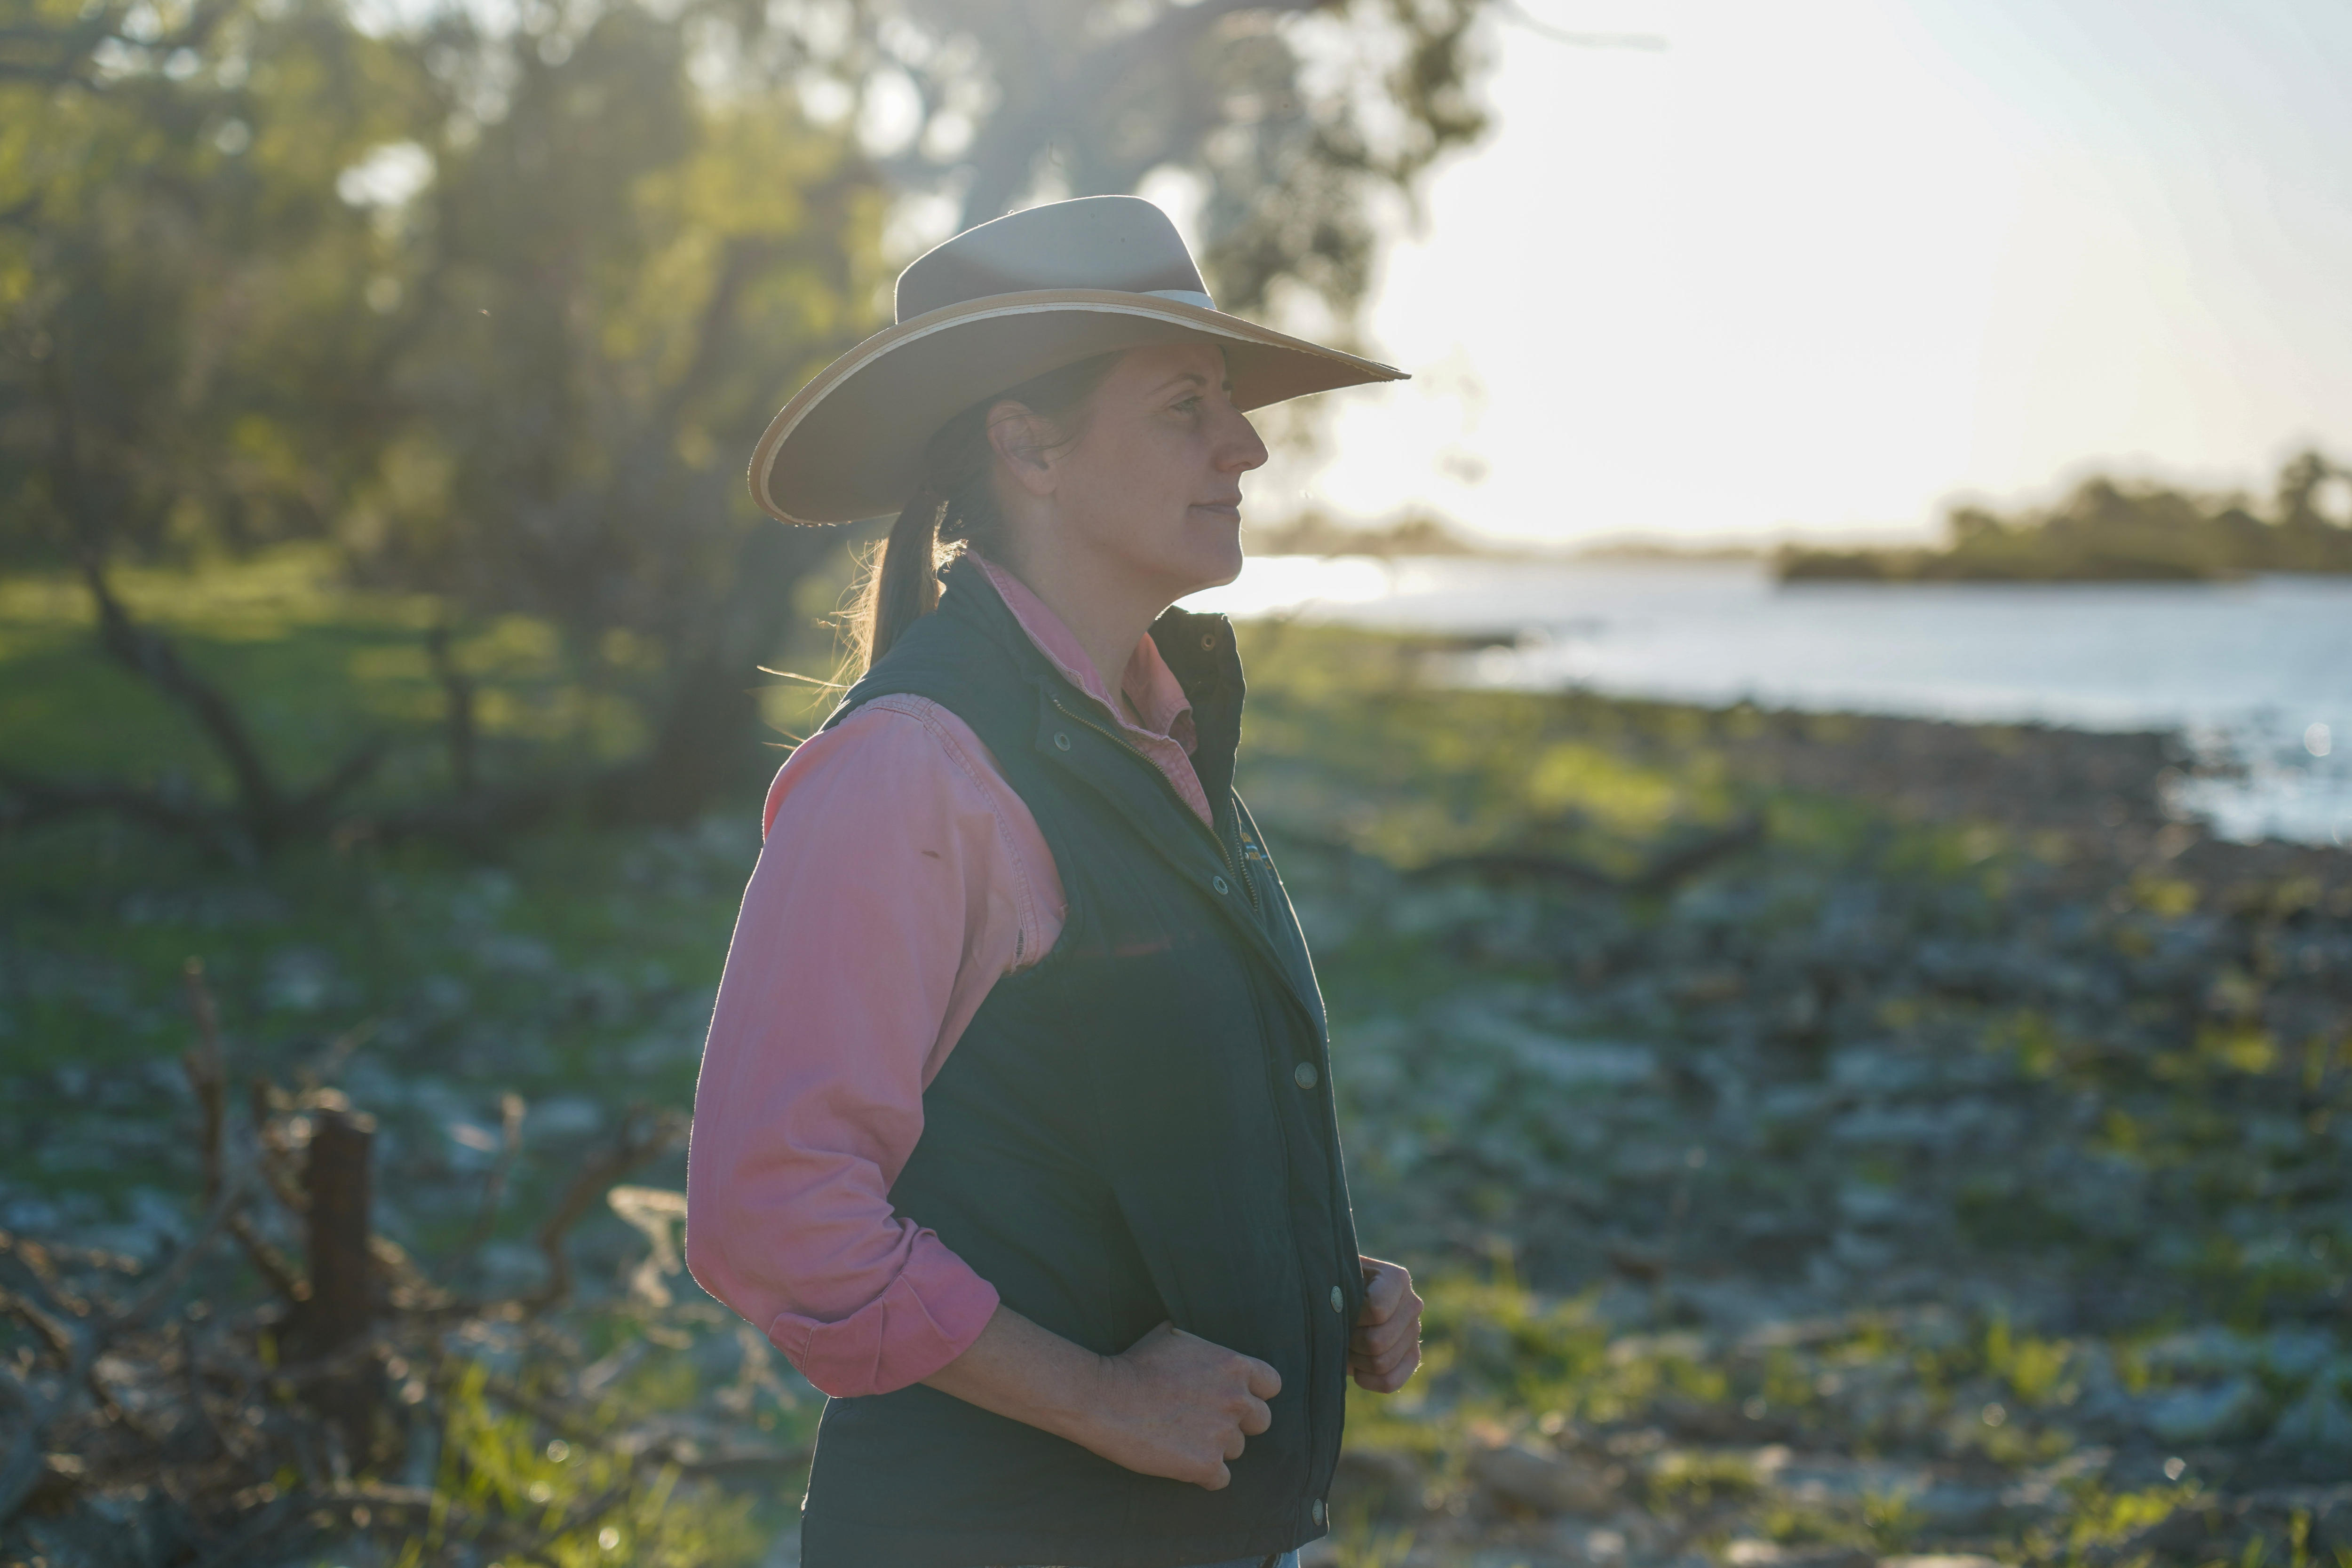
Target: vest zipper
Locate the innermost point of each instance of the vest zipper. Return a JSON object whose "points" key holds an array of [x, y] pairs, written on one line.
{"points": [[1224, 854]]}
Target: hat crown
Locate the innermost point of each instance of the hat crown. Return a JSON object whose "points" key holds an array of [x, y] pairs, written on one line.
{"points": [[1122, 243]]}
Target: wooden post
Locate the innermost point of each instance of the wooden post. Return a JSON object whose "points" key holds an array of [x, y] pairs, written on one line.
{"points": [[342, 1273], [335, 1180]]}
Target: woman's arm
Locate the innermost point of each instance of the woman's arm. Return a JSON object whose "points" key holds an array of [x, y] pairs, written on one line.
{"points": [[1170, 1405], [884, 905]]}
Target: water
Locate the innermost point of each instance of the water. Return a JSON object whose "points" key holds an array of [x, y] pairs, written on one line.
{"points": [[2257, 676]]}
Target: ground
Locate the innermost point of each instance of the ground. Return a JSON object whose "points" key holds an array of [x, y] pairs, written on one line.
{"points": [[1821, 1139]]}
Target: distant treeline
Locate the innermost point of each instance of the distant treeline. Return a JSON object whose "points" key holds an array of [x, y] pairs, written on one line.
{"points": [[1315, 533], [2108, 530]]}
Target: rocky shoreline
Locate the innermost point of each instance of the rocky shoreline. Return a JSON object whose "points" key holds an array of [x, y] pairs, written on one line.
{"points": [[1949, 1180]]}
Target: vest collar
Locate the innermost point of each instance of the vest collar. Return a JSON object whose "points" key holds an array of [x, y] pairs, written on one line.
{"points": [[1197, 650], [1146, 683]]}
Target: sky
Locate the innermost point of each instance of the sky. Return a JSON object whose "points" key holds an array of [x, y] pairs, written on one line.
{"points": [[1824, 267]]}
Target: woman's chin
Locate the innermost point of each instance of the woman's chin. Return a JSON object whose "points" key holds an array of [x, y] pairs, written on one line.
{"points": [[1219, 566], [1209, 558]]}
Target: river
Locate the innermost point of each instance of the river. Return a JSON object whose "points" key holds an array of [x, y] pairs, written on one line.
{"points": [[2256, 676]]}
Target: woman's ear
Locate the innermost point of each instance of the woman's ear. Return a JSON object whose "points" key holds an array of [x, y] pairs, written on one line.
{"points": [[1024, 443]]}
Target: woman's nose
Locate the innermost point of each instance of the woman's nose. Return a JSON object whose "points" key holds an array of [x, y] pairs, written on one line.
{"points": [[1239, 450]]}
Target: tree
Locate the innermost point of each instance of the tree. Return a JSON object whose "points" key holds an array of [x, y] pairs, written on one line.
{"points": [[2108, 530], [1294, 115], [179, 366], [496, 313]]}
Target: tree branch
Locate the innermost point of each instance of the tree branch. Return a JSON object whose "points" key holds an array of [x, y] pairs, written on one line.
{"points": [[79, 1346], [645, 1136], [265, 811], [1002, 155], [33, 799], [313, 805], [144, 652], [208, 1076], [1665, 870]]}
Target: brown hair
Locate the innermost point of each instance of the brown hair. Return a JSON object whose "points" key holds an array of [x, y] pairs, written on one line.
{"points": [[955, 504]]}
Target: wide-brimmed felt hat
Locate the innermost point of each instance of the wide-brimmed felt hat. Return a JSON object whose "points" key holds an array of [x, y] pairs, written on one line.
{"points": [[1012, 298]]}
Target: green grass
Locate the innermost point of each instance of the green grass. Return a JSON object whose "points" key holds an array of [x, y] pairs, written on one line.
{"points": [[1363, 734], [318, 666], [386, 921]]}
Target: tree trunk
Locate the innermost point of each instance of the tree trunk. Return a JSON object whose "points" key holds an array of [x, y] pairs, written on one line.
{"points": [[708, 734]]}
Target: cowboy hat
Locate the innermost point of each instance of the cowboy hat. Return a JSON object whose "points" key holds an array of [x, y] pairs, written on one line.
{"points": [[1012, 298]]}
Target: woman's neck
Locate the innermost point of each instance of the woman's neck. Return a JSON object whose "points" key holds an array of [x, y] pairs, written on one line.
{"points": [[1106, 609]]}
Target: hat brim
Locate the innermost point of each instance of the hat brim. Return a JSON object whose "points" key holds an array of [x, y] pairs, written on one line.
{"points": [[850, 443]]}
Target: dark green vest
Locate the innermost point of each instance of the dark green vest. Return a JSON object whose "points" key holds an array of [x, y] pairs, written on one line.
{"points": [[1139, 1127]]}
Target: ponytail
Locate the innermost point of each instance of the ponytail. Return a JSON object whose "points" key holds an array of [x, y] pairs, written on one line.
{"points": [[903, 584], [955, 506]]}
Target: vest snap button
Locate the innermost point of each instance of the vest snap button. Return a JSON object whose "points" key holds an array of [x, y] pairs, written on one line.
{"points": [[1338, 1300], [1061, 742], [1219, 884], [1208, 639], [1305, 1075]]}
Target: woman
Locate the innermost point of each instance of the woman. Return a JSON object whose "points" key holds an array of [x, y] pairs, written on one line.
{"points": [[1015, 1131]]}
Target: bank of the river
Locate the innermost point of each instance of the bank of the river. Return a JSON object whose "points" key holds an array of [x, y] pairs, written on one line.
{"points": [[2252, 675], [1825, 1139]]}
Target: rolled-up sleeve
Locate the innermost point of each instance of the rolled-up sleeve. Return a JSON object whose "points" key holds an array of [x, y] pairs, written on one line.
{"points": [[886, 899]]}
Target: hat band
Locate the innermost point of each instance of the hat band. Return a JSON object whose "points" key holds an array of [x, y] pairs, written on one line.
{"points": [[1184, 296]]}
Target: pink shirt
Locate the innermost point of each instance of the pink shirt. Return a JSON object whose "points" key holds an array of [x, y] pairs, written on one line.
{"points": [[900, 876]]}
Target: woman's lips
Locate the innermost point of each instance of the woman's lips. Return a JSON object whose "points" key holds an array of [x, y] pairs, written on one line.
{"points": [[1231, 508]]}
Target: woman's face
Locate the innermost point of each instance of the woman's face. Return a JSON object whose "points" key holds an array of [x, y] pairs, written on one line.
{"points": [[1151, 487]]}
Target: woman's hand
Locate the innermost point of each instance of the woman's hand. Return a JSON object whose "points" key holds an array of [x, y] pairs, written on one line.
{"points": [[1385, 1348], [1170, 1405], [1175, 1404]]}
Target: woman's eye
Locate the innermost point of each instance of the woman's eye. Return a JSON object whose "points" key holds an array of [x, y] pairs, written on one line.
{"points": [[1189, 406]]}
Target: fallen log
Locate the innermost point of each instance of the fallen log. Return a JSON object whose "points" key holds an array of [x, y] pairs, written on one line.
{"points": [[1665, 870]]}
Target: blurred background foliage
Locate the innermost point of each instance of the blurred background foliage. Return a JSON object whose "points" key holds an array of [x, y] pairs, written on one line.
{"points": [[478, 313]]}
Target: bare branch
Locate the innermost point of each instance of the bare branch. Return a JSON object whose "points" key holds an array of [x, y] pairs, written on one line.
{"points": [[644, 1136], [40, 1268], [313, 805], [21, 1469], [47, 1326], [276, 1155], [160, 1289], [151, 656], [511, 1114], [207, 1074]]}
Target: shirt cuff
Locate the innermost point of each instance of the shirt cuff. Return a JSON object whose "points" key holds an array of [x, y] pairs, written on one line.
{"points": [[930, 1315]]}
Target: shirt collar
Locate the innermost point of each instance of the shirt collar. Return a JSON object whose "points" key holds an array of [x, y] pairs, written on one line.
{"points": [[1147, 681]]}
